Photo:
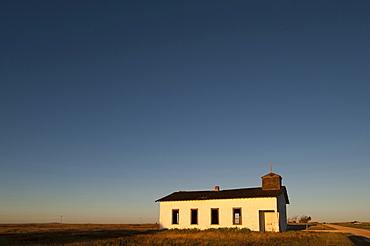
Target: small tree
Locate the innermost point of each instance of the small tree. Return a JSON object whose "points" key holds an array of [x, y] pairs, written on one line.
{"points": [[293, 219], [304, 219]]}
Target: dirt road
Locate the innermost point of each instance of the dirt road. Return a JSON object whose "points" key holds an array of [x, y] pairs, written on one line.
{"points": [[365, 234]]}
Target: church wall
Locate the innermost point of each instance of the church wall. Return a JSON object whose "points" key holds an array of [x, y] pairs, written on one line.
{"points": [[282, 211], [250, 210]]}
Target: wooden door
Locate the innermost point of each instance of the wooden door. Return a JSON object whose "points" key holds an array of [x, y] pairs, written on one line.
{"points": [[269, 219]]}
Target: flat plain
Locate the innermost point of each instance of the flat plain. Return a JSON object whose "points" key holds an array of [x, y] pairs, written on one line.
{"points": [[148, 234], [365, 225]]}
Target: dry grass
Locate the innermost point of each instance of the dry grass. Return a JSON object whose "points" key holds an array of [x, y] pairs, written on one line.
{"points": [[39, 228], [320, 226], [102, 234]]}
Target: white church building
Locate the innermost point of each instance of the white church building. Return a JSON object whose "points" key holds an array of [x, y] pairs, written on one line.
{"points": [[259, 209]]}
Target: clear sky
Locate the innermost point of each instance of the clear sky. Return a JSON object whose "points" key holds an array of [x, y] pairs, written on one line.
{"points": [[107, 106]]}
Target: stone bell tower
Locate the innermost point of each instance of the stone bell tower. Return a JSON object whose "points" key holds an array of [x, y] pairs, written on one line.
{"points": [[271, 181]]}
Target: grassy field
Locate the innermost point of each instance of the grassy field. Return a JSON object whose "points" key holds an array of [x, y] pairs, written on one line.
{"points": [[365, 225], [319, 226], [148, 234]]}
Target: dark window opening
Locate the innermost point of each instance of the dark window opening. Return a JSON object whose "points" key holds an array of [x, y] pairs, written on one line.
{"points": [[175, 216], [237, 216], [214, 216], [194, 216]]}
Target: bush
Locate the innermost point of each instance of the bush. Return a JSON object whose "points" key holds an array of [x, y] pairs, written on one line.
{"points": [[304, 219]]}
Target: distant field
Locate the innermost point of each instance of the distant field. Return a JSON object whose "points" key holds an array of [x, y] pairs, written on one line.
{"points": [[364, 225], [148, 234]]}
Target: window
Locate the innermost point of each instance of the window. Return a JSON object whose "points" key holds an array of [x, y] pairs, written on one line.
{"points": [[194, 217], [214, 216], [175, 216], [237, 216]]}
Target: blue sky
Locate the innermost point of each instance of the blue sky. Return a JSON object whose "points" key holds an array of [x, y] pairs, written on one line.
{"points": [[107, 106]]}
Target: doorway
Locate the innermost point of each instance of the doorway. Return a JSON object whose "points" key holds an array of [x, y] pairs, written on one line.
{"points": [[268, 220]]}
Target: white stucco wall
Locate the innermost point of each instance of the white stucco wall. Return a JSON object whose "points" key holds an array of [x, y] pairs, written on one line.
{"points": [[251, 208]]}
